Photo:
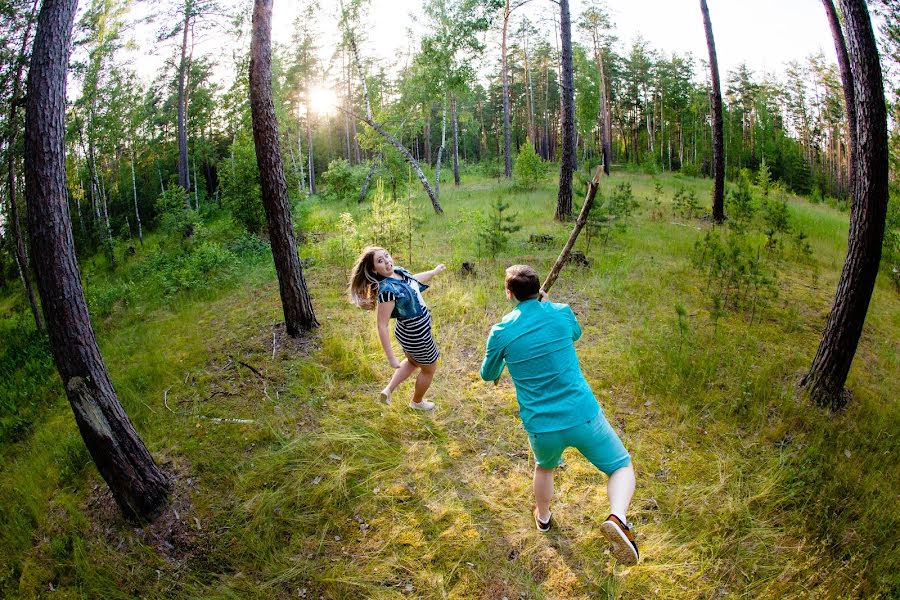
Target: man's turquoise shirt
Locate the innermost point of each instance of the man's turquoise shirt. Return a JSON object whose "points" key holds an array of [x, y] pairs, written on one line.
{"points": [[536, 343]]}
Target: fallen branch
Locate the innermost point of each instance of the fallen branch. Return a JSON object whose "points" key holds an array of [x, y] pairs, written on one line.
{"points": [[593, 185], [251, 367]]}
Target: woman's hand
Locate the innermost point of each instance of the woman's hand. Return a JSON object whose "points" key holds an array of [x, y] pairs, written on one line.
{"points": [[439, 268], [395, 364]]}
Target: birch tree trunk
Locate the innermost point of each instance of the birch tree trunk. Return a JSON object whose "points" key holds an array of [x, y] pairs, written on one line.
{"points": [[455, 125], [137, 213], [138, 485]]}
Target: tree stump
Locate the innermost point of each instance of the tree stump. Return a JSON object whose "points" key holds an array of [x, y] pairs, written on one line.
{"points": [[467, 269], [578, 259]]}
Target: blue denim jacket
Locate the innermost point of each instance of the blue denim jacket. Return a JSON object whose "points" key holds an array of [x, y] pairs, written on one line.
{"points": [[406, 305]]}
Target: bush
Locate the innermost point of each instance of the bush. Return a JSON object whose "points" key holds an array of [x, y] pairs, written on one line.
{"points": [[891, 243], [341, 181], [173, 215], [529, 168], [496, 228], [239, 177]]}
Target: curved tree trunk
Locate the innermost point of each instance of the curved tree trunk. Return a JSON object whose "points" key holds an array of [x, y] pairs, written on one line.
{"points": [[138, 485], [295, 300], [368, 180], [409, 158], [828, 373], [567, 108], [20, 254], [840, 48], [718, 199]]}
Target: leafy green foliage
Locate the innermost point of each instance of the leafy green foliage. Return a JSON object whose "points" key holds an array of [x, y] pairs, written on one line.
{"points": [[173, 216], [764, 177], [342, 182], [26, 373], [891, 243], [529, 169], [495, 230], [239, 179], [739, 204]]}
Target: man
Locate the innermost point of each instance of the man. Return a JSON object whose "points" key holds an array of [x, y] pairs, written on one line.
{"points": [[558, 409]]}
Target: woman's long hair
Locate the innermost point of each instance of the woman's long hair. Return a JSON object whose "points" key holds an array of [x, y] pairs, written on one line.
{"points": [[363, 287]]}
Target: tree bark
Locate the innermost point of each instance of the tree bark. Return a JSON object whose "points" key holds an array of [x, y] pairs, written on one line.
{"points": [[567, 160], [138, 485], [828, 373], [18, 239], [183, 177], [718, 199], [137, 213], [295, 300], [840, 48], [437, 169], [409, 158], [368, 180], [507, 158], [455, 125]]}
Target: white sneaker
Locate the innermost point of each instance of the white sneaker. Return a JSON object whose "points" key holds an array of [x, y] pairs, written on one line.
{"points": [[385, 396], [423, 405]]}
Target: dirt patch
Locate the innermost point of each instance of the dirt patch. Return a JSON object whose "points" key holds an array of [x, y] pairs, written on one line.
{"points": [[175, 534], [279, 344]]}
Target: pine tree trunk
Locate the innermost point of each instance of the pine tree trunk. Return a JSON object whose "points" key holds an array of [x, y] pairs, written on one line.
{"points": [[718, 199], [455, 125], [138, 485], [828, 373], [295, 300], [567, 160], [182, 94], [507, 158], [18, 239], [840, 47]]}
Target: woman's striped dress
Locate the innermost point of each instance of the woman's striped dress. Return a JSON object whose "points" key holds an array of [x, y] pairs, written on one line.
{"points": [[414, 334]]}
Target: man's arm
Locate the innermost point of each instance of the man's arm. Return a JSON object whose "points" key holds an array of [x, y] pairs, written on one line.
{"points": [[576, 328], [493, 363]]}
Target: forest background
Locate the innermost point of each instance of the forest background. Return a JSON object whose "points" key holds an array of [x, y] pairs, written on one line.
{"points": [[173, 248]]}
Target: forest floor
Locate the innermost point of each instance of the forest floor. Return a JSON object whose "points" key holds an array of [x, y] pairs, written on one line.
{"points": [[293, 481]]}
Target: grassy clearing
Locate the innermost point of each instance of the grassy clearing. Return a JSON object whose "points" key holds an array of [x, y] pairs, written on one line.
{"points": [[741, 489]]}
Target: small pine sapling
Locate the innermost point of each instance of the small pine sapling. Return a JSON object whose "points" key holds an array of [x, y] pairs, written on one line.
{"points": [[497, 227]]}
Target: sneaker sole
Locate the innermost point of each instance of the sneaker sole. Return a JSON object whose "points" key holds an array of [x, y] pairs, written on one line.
{"points": [[384, 398], [620, 545], [422, 408]]}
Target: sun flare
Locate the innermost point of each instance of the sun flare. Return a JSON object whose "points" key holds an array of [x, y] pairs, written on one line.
{"points": [[322, 100]]}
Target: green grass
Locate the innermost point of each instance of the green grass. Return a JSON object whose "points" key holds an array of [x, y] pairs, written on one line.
{"points": [[742, 489]]}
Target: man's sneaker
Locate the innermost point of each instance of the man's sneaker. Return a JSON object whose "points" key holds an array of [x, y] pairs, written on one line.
{"points": [[423, 405], [542, 526], [624, 548]]}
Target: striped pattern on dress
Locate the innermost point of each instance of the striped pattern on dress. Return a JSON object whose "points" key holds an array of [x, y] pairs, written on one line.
{"points": [[414, 334]]}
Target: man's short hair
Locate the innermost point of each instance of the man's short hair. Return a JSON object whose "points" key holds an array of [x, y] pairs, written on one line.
{"points": [[523, 282]]}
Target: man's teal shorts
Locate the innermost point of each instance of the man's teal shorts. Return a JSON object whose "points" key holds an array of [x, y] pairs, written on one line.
{"points": [[595, 439]]}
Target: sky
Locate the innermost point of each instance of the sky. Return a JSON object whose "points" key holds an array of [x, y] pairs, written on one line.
{"points": [[763, 33]]}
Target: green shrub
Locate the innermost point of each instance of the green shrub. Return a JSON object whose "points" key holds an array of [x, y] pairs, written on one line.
{"points": [[173, 215], [496, 228], [529, 168], [239, 177], [341, 181]]}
